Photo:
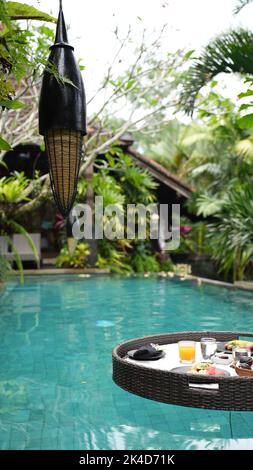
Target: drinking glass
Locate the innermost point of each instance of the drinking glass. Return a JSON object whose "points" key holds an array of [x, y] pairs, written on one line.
{"points": [[186, 351], [240, 352], [208, 347]]}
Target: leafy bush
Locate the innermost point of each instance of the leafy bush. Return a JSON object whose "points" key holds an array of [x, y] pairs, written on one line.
{"points": [[12, 188], [77, 260], [112, 258], [143, 261], [167, 266], [144, 264], [231, 236]]}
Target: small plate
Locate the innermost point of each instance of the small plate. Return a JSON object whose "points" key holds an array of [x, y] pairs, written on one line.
{"points": [[221, 348], [216, 358], [130, 354], [184, 370]]}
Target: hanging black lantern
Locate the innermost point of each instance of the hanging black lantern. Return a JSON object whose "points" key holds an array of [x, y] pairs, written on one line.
{"points": [[62, 119]]}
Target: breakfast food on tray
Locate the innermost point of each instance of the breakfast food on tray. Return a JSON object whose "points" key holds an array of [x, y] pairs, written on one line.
{"points": [[222, 358], [205, 368], [245, 363], [238, 343]]}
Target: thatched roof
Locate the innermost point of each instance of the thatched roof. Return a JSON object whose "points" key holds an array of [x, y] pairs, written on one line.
{"points": [[161, 174]]}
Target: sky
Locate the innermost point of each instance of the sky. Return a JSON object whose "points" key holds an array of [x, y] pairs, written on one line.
{"points": [[190, 25]]}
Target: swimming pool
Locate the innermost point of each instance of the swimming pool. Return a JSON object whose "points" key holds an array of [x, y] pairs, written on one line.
{"points": [[56, 337]]}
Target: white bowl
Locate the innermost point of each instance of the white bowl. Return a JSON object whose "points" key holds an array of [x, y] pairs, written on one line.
{"points": [[219, 358]]}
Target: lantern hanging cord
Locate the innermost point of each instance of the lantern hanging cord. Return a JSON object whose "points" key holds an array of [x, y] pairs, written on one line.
{"points": [[60, 4]]}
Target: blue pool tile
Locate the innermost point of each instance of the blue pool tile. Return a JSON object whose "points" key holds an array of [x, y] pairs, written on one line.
{"points": [[58, 390], [5, 433]]}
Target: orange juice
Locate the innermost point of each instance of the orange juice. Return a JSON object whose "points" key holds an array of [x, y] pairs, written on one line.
{"points": [[186, 351]]}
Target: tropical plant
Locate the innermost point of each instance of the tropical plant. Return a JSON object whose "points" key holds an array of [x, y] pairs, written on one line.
{"points": [[166, 148], [143, 260], [138, 184], [12, 189], [78, 259], [193, 238], [11, 226], [12, 194], [146, 90], [217, 152], [230, 52], [113, 257], [22, 53], [231, 235]]}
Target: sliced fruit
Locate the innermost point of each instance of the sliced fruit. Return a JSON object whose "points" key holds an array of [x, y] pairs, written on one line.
{"points": [[238, 343]]}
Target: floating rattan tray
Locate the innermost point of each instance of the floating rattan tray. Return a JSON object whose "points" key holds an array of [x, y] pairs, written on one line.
{"points": [[233, 393]]}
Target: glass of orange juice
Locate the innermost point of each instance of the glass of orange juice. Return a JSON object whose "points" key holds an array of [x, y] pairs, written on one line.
{"points": [[187, 351]]}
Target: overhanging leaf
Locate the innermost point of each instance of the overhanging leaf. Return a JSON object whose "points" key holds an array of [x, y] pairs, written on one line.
{"points": [[21, 11], [245, 94], [246, 122], [4, 144], [11, 104]]}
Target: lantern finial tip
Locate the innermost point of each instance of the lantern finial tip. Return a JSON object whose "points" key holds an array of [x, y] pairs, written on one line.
{"points": [[61, 31]]}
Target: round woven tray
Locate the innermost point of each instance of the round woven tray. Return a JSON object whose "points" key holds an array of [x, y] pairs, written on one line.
{"points": [[234, 393]]}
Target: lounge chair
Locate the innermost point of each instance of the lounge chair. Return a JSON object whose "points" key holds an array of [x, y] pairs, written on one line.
{"points": [[23, 248]]}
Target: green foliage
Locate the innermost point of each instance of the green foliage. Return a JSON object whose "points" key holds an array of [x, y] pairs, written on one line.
{"points": [[12, 188], [11, 104], [23, 51], [167, 266], [76, 260], [113, 258], [125, 257], [106, 186], [229, 52], [142, 261], [9, 227], [246, 120], [209, 204], [138, 185], [4, 145], [21, 11], [231, 236], [211, 147], [165, 147], [194, 241]]}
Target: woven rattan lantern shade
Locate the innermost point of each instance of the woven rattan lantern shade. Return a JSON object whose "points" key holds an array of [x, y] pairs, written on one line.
{"points": [[64, 169], [62, 119]]}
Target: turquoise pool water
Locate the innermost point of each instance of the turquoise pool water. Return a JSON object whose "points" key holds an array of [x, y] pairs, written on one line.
{"points": [[56, 390]]}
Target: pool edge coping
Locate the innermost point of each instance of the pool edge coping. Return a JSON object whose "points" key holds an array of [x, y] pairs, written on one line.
{"points": [[170, 275]]}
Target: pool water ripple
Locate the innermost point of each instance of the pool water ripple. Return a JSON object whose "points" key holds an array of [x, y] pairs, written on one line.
{"points": [[56, 337]]}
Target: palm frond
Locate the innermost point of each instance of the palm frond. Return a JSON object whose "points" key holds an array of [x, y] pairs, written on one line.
{"points": [[208, 205], [240, 5], [198, 136], [244, 149], [213, 169], [231, 238], [17, 258], [229, 52], [19, 229]]}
